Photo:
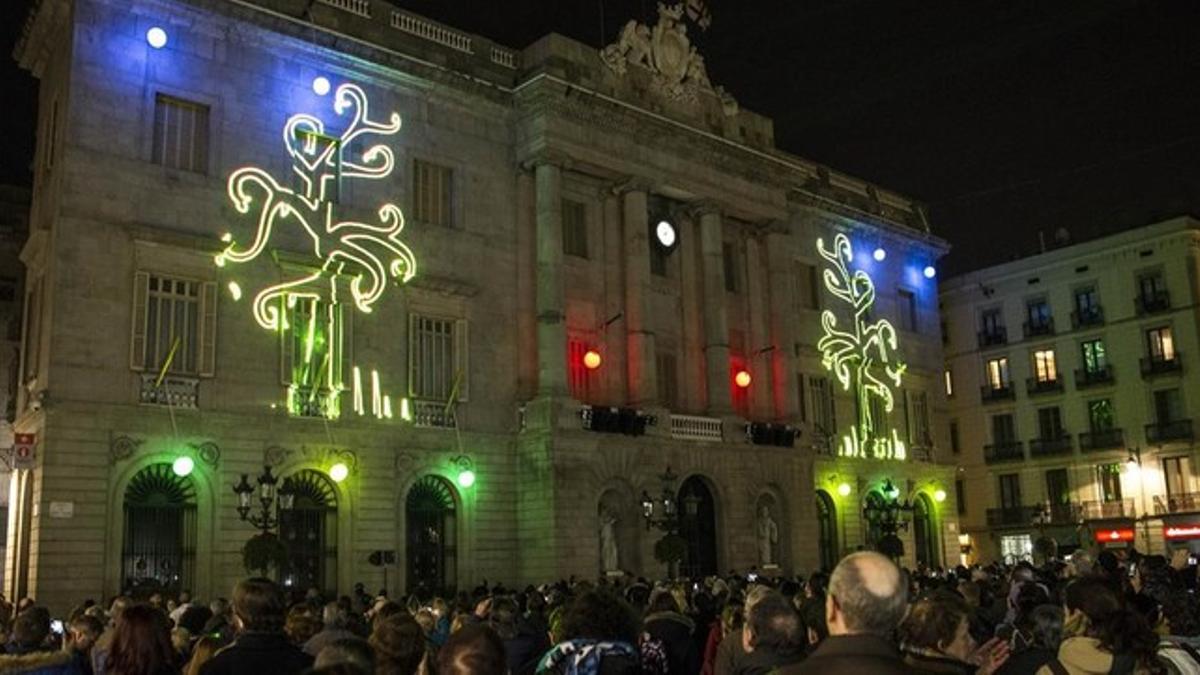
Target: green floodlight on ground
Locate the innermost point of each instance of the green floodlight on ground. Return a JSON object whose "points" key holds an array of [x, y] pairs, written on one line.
{"points": [[182, 466]]}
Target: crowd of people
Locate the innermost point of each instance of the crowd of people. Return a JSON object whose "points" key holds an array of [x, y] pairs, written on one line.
{"points": [[1090, 615]]}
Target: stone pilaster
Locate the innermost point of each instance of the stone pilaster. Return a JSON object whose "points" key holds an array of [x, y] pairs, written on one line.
{"points": [[551, 313], [643, 380], [716, 323], [781, 326]]}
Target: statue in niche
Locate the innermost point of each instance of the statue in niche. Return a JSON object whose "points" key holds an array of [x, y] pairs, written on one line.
{"points": [[768, 536], [609, 555]]}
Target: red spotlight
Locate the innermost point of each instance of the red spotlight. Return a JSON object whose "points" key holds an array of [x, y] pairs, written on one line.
{"points": [[591, 359]]}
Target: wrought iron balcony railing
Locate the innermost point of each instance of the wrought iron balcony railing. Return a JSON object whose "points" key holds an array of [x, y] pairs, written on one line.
{"points": [[990, 394], [1158, 365], [1039, 327], [1092, 316], [1100, 510], [1152, 303], [1050, 447], [1185, 502], [1004, 451], [1175, 430], [1106, 439], [1037, 385], [1085, 377], [990, 337]]}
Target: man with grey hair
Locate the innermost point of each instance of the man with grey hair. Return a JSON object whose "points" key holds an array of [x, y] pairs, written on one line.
{"points": [[867, 598], [336, 627]]}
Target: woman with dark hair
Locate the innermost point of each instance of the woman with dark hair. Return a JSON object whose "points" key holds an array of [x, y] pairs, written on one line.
{"points": [[935, 638], [598, 630], [399, 644], [1041, 631], [1101, 635], [141, 644]]}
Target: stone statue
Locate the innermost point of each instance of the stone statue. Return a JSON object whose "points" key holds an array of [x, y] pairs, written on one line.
{"points": [[608, 543], [768, 536]]}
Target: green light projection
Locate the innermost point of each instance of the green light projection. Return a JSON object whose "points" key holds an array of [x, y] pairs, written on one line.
{"points": [[349, 259], [860, 357]]}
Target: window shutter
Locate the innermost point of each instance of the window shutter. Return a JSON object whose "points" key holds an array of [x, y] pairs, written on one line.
{"points": [[412, 355], [461, 358], [208, 329], [137, 342], [287, 342]]}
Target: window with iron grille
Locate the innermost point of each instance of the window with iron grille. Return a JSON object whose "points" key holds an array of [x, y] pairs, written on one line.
{"points": [[432, 193], [437, 358], [574, 228], [180, 134], [823, 412], [919, 419], [174, 324]]}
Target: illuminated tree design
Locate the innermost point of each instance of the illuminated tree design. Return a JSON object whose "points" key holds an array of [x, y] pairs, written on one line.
{"points": [[350, 259], [860, 356]]}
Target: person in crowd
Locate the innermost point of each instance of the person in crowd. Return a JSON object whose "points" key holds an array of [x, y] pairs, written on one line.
{"points": [[399, 644], [335, 626], [141, 644], [104, 642], [301, 624], [259, 612], [665, 621], [476, 649], [202, 652], [1101, 636], [220, 624], [183, 605], [866, 600], [522, 646], [29, 631], [25, 654], [728, 623], [772, 636], [812, 615], [81, 638], [181, 643], [194, 619], [1041, 633], [598, 632], [352, 651], [935, 638]]}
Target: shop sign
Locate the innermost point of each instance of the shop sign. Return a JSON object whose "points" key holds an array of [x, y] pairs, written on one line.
{"points": [[1118, 535], [1185, 531]]}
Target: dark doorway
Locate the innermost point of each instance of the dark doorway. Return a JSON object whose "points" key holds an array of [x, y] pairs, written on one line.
{"points": [[160, 532], [827, 538], [923, 532], [309, 531], [429, 516], [699, 530]]}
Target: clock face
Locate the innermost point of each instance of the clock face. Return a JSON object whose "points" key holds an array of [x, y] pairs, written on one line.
{"points": [[665, 232]]}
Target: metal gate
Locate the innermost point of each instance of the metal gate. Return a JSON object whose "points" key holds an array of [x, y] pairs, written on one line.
{"points": [[699, 530], [309, 531], [429, 517], [159, 551]]}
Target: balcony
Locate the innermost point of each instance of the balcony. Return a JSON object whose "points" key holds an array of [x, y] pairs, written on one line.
{"points": [[1165, 432], [1084, 318], [1012, 516], [1095, 377], [696, 428], [1005, 451], [1035, 386], [173, 391], [1063, 514], [1039, 327], [1050, 447], [433, 415], [1152, 303], [769, 433], [628, 421], [1160, 365], [990, 394], [1186, 502], [990, 337], [1106, 439], [1121, 508]]}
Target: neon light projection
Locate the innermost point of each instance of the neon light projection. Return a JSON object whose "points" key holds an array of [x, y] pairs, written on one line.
{"points": [[857, 355], [350, 259]]}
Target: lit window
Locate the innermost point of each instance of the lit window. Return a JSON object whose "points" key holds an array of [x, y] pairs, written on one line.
{"points": [[997, 373], [1161, 344], [1095, 359], [180, 134], [949, 382], [1044, 367]]}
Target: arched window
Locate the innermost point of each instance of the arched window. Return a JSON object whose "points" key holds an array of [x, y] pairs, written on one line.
{"points": [[160, 532], [923, 532], [827, 538], [309, 530], [429, 517]]}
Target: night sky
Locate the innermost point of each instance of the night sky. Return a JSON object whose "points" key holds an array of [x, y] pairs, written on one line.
{"points": [[1004, 116]]}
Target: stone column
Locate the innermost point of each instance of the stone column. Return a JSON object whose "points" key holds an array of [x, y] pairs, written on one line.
{"points": [[551, 314], [781, 325], [716, 325], [640, 364], [614, 341]]}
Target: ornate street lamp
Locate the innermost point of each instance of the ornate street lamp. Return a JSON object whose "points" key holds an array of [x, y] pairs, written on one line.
{"points": [[663, 513], [888, 515], [272, 501]]}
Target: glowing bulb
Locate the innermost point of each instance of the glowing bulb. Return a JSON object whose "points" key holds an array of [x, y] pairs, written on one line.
{"points": [[742, 379], [466, 478], [930, 272], [320, 86], [182, 466], [338, 472], [879, 254], [939, 496], [235, 291], [157, 37], [844, 489], [591, 360]]}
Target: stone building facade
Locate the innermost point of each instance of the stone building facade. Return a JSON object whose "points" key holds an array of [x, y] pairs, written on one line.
{"points": [[336, 236], [1074, 396]]}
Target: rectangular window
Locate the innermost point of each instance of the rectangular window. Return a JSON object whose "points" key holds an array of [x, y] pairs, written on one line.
{"points": [[668, 379], [1004, 429], [432, 193], [997, 373], [1057, 489], [824, 416], [1095, 358], [1151, 285], [579, 378], [180, 134], [1010, 490], [1050, 423], [574, 228], [991, 321], [1044, 367], [955, 446], [171, 328], [1101, 416], [1087, 301], [807, 288], [1039, 313], [1109, 480], [1168, 406], [949, 377], [732, 269], [1161, 344], [960, 496], [907, 310], [437, 358], [1177, 473], [879, 415], [919, 414], [314, 348]]}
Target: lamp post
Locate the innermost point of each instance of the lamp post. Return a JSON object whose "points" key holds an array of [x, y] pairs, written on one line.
{"points": [[663, 513], [272, 501], [889, 516]]}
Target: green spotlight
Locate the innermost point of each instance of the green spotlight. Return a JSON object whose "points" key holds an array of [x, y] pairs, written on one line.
{"points": [[466, 478], [182, 466], [939, 496], [338, 472], [844, 489]]}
